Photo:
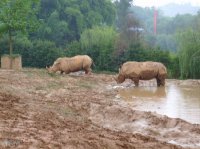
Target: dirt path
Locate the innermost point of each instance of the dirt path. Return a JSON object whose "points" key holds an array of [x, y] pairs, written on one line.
{"points": [[38, 110]]}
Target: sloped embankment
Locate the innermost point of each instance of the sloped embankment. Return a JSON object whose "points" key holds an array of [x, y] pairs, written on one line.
{"points": [[38, 110]]}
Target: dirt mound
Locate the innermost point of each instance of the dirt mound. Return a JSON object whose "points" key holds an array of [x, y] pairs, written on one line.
{"points": [[163, 128]]}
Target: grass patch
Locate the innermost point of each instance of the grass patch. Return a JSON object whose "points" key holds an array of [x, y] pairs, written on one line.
{"points": [[54, 75], [55, 85], [104, 72], [66, 111], [62, 110], [34, 72], [39, 88], [39, 72], [86, 84], [28, 73]]}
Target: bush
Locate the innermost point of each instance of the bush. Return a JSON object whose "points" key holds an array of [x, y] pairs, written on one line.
{"points": [[37, 53], [98, 43], [43, 53], [173, 67], [189, 53], [74, 48]]}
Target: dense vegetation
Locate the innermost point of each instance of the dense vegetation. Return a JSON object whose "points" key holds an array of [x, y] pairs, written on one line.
{"points": [[110, 32]]}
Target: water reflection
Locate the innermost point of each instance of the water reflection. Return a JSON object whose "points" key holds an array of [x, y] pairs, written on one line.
{"points": [[173, 101], [149, 92]]}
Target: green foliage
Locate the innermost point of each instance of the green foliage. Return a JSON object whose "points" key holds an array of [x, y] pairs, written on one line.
{"points": [[127, 25], [74, 48], [37, 53], [59, 29], [189, 53], [139, 53], [173, 66], [44, 53], [65, 20], [3, 28], [48, 7], [166, 42], [122, 12], [14, 14], [98, 42], [195, 61], [98, 36], [166, 27], [73, 27]]}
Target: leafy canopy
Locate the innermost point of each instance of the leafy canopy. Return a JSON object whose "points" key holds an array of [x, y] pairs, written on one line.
{"points": [[19, 14]]}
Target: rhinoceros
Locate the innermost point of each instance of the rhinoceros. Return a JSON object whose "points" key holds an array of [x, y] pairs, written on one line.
{"points": [[142, 71], [72, 64]]}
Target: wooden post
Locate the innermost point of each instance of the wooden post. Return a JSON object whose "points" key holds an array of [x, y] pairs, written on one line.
{"points": [[11, 62]]}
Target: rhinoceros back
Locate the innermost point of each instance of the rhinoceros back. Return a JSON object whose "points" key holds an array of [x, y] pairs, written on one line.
{"points": [[142, 70], [78, 62], [130, 68]]}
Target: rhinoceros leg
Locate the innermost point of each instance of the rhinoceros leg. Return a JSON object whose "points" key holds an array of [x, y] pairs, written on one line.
{"points": [[62, 72], [160, 81], [136, 81]]}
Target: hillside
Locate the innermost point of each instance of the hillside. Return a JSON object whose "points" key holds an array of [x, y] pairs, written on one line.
{"points": [[173, 9]]}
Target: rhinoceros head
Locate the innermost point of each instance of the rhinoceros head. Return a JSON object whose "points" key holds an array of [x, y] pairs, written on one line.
{"points": [[51, 69], [119, 79], [55, 67]]}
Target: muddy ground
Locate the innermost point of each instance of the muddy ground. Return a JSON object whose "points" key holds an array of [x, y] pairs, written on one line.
{"points": [[38, 110]]}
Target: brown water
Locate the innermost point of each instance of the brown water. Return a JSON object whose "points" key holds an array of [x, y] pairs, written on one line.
{"points": [[173, 101]]}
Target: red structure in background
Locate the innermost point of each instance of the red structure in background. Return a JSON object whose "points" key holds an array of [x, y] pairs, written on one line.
{"points": [[155, 20]]}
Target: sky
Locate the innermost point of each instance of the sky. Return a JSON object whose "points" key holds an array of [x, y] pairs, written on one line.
{"points": [[157, 3]]}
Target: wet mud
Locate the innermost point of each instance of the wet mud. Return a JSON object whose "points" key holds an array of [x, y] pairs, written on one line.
{"points": [[175, 101], [38, 110]]}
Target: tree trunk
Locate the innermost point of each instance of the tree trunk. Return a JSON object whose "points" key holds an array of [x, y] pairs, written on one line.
{"points": [[10, 42], [11, 48]]}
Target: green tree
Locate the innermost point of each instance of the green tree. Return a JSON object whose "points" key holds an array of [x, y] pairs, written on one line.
{"points": [[98, 42], [189, 53], [127, 25], [65, 20], [48, 7], [18, 15], [3, 28], [122, 12]]}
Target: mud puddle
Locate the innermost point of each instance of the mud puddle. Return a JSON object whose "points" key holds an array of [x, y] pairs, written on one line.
{"points": [[165, 113], [173, 100]]}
